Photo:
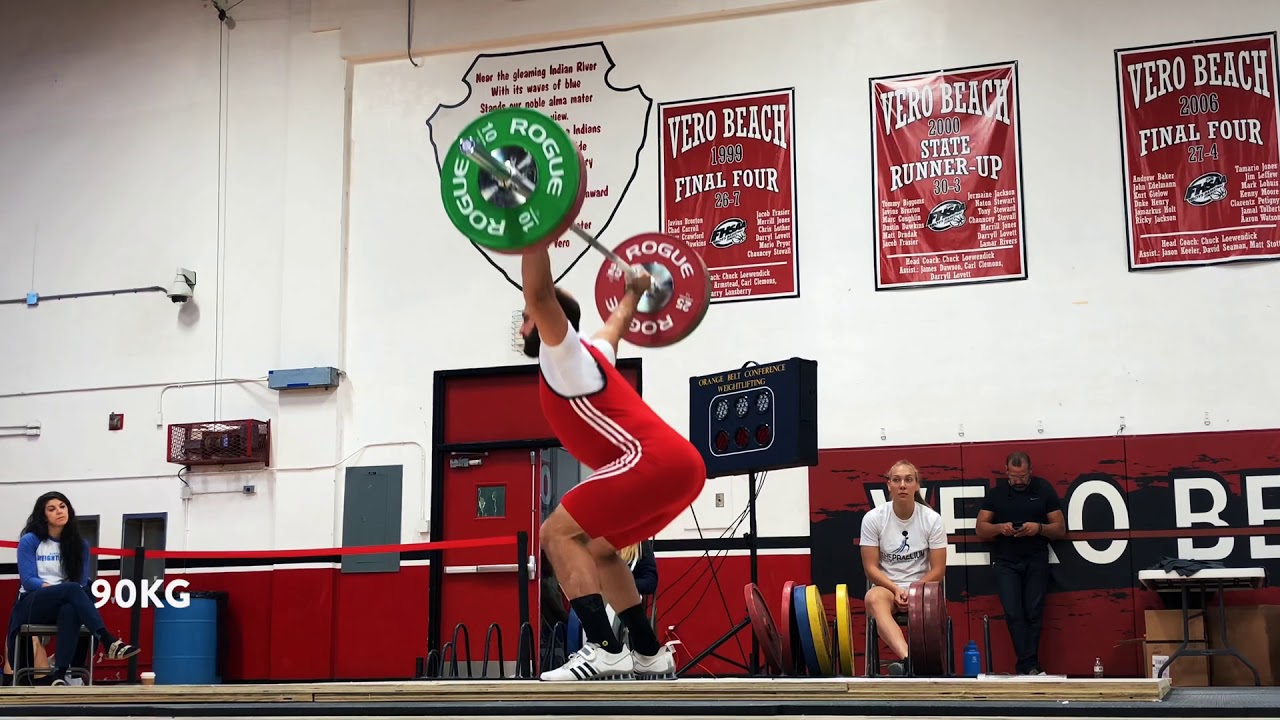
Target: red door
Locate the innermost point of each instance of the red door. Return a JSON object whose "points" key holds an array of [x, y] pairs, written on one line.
{"points": [[488, 495]]}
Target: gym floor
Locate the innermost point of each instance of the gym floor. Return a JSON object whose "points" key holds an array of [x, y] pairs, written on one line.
{"points": [[1219, 703]]}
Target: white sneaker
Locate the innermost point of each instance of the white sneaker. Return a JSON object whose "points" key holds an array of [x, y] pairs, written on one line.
{"points": [[659, 666], [593, 663]]}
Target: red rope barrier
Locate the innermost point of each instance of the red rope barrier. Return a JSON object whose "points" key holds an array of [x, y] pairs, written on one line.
{"points": [[303, 552]]}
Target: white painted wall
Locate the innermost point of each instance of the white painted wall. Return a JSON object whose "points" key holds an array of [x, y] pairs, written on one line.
{"points": [[312, 267], [1071, 351], [115, 174]]}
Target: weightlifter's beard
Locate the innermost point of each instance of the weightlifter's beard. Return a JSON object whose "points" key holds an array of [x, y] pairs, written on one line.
{"points": [[531, 344]]}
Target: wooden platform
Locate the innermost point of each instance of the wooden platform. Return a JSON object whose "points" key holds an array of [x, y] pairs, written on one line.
{"points": [[829, 690]]}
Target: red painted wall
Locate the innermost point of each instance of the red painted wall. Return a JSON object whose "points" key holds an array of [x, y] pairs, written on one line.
{"points": [[308, 623], [319, 624], [300, 624]]}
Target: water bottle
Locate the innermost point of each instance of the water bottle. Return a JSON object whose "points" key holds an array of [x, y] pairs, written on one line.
{"points": [[972, 660], [1097, 667]]}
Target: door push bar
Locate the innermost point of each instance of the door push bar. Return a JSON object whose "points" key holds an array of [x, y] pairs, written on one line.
{"points": [[476, 569]]}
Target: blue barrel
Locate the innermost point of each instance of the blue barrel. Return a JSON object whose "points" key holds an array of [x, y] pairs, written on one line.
{"points": [[185, 646]]}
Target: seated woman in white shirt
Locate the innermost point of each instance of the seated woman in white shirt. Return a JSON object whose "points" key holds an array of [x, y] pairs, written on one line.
{"points": [[903, 541], [53, 567]]}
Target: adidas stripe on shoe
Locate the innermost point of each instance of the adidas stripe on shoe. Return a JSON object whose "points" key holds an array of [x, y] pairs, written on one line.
{"points": [[593, 663]]}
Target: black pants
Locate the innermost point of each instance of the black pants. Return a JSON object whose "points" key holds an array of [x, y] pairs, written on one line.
{"points": [[1023, 583], [66, 605]]}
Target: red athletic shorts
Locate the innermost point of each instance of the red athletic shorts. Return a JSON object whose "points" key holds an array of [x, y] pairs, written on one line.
{"points": [[638, 495]]}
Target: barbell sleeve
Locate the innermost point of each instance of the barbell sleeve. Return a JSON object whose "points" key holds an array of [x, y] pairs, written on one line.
{"points": [[522, 185]]}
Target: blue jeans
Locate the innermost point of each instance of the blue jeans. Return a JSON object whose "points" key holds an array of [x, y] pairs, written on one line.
{"points": [[1023, 583], [67, 605]]}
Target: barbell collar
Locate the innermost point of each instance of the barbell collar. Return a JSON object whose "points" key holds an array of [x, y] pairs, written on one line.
{"points": [[525, 188]]}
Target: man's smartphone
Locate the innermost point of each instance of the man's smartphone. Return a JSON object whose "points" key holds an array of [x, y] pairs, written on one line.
{"points": [[1017, 526]]}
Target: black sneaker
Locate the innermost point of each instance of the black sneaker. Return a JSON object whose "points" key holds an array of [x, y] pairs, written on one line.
{"points": [[897, 669], [120, 650]]}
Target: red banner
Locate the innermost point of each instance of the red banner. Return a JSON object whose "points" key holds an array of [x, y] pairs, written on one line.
{"points": [[1198, 124], [948, 177], [727, 169]]}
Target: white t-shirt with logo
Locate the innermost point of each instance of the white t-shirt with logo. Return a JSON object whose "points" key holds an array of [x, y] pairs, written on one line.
{"points": [[39, 562], [904, 544], [49, 561]]}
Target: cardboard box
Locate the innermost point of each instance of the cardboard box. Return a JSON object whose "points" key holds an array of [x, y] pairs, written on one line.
{"points": [[1164, 636], [1254, 632]]}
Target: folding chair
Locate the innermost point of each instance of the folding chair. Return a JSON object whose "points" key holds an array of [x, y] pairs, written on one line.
{"points": [[24, 663]]}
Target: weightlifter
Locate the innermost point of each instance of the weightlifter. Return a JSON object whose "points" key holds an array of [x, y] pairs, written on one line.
{"points": [[903, 541], [646, 473]]}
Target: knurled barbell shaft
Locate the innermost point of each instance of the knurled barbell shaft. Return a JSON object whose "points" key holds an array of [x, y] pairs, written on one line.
{"points": [[522, 185]]}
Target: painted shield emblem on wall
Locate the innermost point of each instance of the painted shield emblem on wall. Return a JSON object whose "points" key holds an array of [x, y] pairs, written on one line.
{"points": [[570, 84]]}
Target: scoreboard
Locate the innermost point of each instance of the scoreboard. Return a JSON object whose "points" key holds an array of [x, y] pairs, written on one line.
{"points": [[756, 418]]}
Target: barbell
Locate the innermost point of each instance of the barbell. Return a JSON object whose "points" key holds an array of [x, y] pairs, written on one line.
{"points": [[513, 181]]}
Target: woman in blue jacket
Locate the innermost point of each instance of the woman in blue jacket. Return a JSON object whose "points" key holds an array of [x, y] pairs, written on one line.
{"points": [[54, 570]]}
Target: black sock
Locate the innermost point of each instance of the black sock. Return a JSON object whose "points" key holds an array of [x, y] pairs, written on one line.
{"points": [[643, 639], [595, 621], [59, 673], [105, 638]]}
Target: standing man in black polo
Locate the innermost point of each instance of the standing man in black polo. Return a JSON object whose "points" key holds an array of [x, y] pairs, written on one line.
{"points": [[1019, 517]]}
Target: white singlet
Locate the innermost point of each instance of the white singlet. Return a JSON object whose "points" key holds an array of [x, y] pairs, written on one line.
{"points": [[904, 544], [569, 369]]}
